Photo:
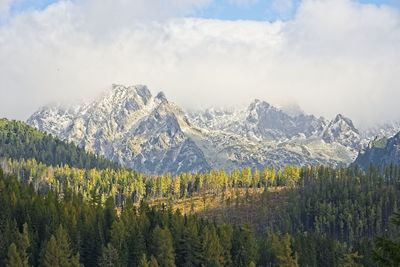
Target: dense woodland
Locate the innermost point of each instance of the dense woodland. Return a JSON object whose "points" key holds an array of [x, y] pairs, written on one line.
{"points": [[56, 213], [21, 141], [45, 230]]}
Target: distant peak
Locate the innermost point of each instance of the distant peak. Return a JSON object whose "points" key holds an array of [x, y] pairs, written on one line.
{"points": [[136, 91], [339, 117], [293, 109], [259, 103], [143, 92], [161, 96]]}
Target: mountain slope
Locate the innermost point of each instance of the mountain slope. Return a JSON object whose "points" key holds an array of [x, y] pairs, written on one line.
{"points": [[152, 135], [342, 130], [21, 141], [130, 126], [259, 121], [380, 153]]}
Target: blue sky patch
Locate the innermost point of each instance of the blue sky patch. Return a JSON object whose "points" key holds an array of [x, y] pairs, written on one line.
{"points": [[223, 9]]}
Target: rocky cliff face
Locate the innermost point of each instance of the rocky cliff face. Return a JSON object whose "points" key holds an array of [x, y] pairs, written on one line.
{"points": [[130, 126], [342, 130], [380, 152], [150, 134]]}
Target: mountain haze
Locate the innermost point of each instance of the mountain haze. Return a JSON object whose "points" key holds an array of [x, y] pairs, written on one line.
{"points": [[153, 135]]}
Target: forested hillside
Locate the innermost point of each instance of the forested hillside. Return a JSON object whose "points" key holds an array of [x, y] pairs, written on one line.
{"points": [[323, 217], [61, 206], [20, 141], [47, 230]]}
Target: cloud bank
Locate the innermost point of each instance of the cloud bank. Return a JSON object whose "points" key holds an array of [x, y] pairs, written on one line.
{"points": [[335, 56], [4, 7]]}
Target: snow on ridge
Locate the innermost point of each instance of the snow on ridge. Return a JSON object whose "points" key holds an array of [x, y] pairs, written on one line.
{"points": [[129, 125]]}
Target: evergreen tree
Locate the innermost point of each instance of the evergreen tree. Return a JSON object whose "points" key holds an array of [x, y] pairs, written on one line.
{"points": [[212, 249], [189, 249], [24, 244], [57, 251], [51, 254], [109, 257], [162, 247], [143, 261], [244, 247], [13, 257], [153, 262], [387, 252]]}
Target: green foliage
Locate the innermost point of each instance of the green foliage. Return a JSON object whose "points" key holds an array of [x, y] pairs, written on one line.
{"points": [[21, 141], [66, 216], [162, 247], [110, 257], [387, 252], [279, 251], [212, 249], [244, 246], [13, 257], [153, 262], [57, 251], [143, 261]]}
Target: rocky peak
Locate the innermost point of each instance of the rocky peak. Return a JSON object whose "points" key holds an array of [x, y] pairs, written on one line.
{"points": [[344, 122], [124, 97], [341, 130], [150, 134], [161, 97], [266, 121], [258, 105]]}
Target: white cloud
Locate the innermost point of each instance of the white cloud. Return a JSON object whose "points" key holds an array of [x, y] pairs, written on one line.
{"points": [[5, 7], [334, 56]]}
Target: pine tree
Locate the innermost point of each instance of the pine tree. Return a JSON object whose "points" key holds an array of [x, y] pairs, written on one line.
{"points": [[190, 249], [51, 254], [225, 233], [286, 258], [244, 246], [24, 244], [153, 262], [162, 247], [279, 251], [143, 261], [13, 257], [387, 252], [57, 251], [109, 257], [212, 249]]}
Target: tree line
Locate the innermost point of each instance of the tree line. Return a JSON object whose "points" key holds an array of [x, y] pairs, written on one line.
{"points": [[336, 213], [21, 141], [48, 230]]}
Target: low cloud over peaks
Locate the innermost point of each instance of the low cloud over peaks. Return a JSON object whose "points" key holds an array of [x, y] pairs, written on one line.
{"points": [[336, 56]]}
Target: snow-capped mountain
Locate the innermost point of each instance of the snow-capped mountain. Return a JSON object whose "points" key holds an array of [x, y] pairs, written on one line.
{"points": [[263, 122], [152, 135], [130, 126], [260, 121], [342, 130], [387, 129]]}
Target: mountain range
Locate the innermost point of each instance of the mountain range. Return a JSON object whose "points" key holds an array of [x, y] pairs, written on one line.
{"points": [[150, 134]]}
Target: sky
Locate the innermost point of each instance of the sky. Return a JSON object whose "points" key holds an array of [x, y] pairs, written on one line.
{"points": [[328, 56]]}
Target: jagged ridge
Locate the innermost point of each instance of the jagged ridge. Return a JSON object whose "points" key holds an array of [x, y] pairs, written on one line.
{"points": [[152, 135]]}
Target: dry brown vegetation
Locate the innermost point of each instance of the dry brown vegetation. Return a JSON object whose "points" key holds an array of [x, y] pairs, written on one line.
{"points": [[254, 206]]}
